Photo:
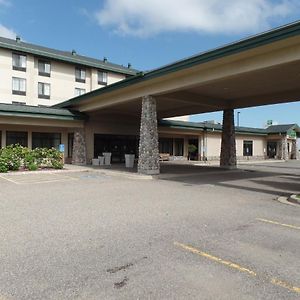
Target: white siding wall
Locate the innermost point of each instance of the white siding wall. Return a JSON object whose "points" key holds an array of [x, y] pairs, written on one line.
{"points": [[62, 80]]}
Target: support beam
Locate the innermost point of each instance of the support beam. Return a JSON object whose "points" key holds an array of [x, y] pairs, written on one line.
{"points": [[79, 147], [228, 148], [148, 146]]}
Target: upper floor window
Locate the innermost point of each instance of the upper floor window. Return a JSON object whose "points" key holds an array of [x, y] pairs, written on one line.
{"points": [[44, 68], [19, 62], [19, 86], [248, 148], [44, 90], [80, 74], [79, 92], [102, 77]]}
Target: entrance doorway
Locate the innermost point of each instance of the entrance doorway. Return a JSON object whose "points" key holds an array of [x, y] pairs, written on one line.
{"points": [[118, 145], [271, 149]]}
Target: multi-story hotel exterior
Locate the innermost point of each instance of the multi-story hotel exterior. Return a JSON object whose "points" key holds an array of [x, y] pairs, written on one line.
{"points": [[39, 76], [127, 117]]}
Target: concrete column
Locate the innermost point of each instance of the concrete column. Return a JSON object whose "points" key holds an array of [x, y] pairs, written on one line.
{"points": [[29, 139], [79, 147], [148, 146], [3, 139], [199, 147], [228, 148]]}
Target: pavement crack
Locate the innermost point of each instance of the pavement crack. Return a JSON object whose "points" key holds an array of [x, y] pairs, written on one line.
{"points": [[117, 269]]}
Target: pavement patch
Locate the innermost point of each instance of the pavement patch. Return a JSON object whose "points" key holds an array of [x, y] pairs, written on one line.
{"points": [[278, 223]]}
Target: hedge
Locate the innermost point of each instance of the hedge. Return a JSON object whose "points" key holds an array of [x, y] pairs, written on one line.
{"points": [[16, 157]]}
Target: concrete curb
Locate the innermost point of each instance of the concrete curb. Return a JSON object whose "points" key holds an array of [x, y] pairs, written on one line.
{"points": [[284, 200], [294, 199], [107, 172]]}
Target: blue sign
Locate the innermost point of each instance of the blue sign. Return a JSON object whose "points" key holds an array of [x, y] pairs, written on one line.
{"points": [[61, 148]]}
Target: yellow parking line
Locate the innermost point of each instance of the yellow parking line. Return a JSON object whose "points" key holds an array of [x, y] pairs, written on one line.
{"points": [[277, 223], [274, 281], [285, 285], [214, 258]]}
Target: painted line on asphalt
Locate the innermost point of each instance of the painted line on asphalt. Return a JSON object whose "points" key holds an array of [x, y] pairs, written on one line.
{"points": [[278, 223], [9, 180], [274, 281], [217, 259], [285, 285], [38, 181]]}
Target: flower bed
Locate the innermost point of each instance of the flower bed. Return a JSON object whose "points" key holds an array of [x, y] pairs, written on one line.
{"points": [[16, 157]]}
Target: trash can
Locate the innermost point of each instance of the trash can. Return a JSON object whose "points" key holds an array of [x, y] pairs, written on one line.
{"points": [[107, 158], [101, 160], [95, 162], [129, 160]]}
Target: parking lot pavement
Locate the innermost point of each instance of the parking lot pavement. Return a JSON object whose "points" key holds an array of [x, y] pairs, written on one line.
{"points": [[88, 235]]}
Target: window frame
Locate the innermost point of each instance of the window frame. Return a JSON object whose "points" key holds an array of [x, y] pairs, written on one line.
{"points": [[23, 135], [80, 71], [79, 89], [249, 143], [102, 81], [19, 91], [43, 72], [44, 96], [16, 67]]}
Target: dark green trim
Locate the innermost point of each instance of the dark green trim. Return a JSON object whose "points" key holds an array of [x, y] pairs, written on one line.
{"points": [[11, 110], [200, 126], [265, 38], [48, 53]]}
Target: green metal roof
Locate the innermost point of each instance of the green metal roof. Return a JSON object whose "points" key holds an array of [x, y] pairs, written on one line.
{"points": [[13, 110], [64, 56], [282, 128], [280, 33], [202, 126]]}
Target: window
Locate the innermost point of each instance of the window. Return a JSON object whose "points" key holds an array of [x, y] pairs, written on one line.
{"points": [[45, 140], [102, 77], [179, 145], [80, 75], [17, 137], [248, 148], [19, 86], [18, 103], [44, 68], [79, 92], [44, 90], [19, 62], [166, 145]]}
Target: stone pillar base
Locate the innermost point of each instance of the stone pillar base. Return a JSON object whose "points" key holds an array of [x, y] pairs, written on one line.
{"points": [[79, 148], [228, 148], [148, 147]]}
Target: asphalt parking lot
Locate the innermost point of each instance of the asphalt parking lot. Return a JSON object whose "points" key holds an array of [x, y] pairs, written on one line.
{"points": [[193, 233]]}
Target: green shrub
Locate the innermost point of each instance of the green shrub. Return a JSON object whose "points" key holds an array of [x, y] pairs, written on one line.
{"points": [[3, 165], [32, 167], [13, 157]]}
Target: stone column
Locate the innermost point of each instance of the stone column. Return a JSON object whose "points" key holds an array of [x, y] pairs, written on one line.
{"points": [[79, 147], [228, 149], [148, 147], [294, 152], [283, 149]]}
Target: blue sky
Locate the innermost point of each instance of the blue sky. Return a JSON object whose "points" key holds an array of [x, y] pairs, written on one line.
{"points": [[151, 33]]}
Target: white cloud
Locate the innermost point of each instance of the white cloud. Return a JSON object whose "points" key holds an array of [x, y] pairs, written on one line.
{"points": [[149, 17], [6, 32]]}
